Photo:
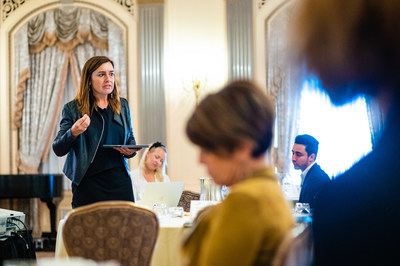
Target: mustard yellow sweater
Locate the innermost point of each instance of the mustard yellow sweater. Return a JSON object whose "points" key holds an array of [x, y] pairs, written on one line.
{"points": [[245, 228]]}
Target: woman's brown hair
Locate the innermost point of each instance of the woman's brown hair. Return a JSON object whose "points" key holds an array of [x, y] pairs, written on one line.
{"points": [[85, 98]]}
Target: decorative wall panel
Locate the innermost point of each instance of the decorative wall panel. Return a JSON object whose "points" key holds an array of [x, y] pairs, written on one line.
{"points": [[152, 95], [240, 39]]}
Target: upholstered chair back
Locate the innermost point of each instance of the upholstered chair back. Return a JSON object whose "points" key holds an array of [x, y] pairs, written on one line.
{"points": [[111, 230], [185, 199]]}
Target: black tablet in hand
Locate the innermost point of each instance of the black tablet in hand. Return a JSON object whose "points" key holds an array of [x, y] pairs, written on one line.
{"points": [[130, 146]]}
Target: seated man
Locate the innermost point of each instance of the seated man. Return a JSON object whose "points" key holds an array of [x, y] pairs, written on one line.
{"points": [[313, 178]]}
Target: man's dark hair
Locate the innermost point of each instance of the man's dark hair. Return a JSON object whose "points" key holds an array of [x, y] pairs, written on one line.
{"points": [[310, 142]]}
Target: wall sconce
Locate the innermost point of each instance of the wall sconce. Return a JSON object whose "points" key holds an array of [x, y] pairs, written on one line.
{"points": [[197, 88]]}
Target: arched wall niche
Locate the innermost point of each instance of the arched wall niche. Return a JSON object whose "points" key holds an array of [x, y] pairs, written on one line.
{"points": [[118, 13], [265, 10]]}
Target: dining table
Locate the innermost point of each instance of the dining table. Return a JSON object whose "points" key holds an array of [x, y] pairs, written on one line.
{"points": [[171, 234], [170, 237]]}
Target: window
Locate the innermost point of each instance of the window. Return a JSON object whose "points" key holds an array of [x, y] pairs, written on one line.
{"points": [[343, 132]]}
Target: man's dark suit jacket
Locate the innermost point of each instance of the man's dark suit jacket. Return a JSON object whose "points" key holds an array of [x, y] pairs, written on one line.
{"points": [[315, 179], [356, 218]]}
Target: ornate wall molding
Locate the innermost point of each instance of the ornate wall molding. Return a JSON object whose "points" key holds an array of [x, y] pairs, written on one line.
{"points": [[129, 5], [261, 3], [7, 7]]}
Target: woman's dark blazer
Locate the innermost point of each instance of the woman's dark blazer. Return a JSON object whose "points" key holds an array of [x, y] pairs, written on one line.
{"points": [[81, 150]]}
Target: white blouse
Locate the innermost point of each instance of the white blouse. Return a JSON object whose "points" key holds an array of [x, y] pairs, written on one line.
{"points": [[139, 183]]}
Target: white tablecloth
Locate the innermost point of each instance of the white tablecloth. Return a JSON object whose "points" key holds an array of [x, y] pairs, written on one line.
{"points": [[168, 246]]}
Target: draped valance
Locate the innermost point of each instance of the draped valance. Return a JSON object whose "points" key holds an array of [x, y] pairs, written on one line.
{"points": [[67, 27]]}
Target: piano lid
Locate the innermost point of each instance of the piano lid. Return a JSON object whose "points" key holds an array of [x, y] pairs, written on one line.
{"points": [[31, 186]]}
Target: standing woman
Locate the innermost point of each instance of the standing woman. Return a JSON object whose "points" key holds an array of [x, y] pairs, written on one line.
{"points": [[96, 116], [151, 169]]}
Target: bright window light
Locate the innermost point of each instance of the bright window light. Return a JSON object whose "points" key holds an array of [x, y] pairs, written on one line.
{"points": [[343, 132]]}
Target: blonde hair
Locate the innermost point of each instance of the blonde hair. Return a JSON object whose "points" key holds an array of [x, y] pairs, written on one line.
{"points": [[85, 98], [160, 171]]}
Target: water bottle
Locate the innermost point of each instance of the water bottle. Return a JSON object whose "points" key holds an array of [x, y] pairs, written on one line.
{"points": [[210, 190]]}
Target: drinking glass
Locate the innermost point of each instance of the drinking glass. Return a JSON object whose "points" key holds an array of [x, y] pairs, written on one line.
{"points": [[302, 208], [176, 212], [160, 209]]}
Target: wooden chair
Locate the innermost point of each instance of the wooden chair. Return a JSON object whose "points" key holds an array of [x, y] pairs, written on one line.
{"points": [[111, 230], [186, 197]]}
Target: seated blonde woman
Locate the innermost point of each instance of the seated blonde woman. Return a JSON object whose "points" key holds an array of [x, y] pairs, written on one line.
{"points": [[233, 130], [151, 169]]}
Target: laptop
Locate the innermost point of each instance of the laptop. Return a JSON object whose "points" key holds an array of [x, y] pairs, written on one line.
{"points": [[163, 192]]}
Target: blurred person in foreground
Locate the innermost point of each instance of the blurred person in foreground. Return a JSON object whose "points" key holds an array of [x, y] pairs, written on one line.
{"points": [[313, 178], [233, 129], [353, 48], [97, 116], [151, 169]]}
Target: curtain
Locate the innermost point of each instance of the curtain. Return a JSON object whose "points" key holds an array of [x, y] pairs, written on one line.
{"points": [[53, 163], [375, 119], [116, 51], [342, 131], [284, 83], [21, 70], [41, 100]]}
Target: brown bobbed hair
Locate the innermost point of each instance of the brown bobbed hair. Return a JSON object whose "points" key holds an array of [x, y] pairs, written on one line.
{"points": [[85, 98], [353, 42], [222, 120]]}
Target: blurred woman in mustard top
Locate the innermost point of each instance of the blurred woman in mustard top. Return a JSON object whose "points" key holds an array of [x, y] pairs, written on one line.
{"points": [[233, 129]]}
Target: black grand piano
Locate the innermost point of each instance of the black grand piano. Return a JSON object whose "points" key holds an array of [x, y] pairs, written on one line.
{"points": [[47, 187]]}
